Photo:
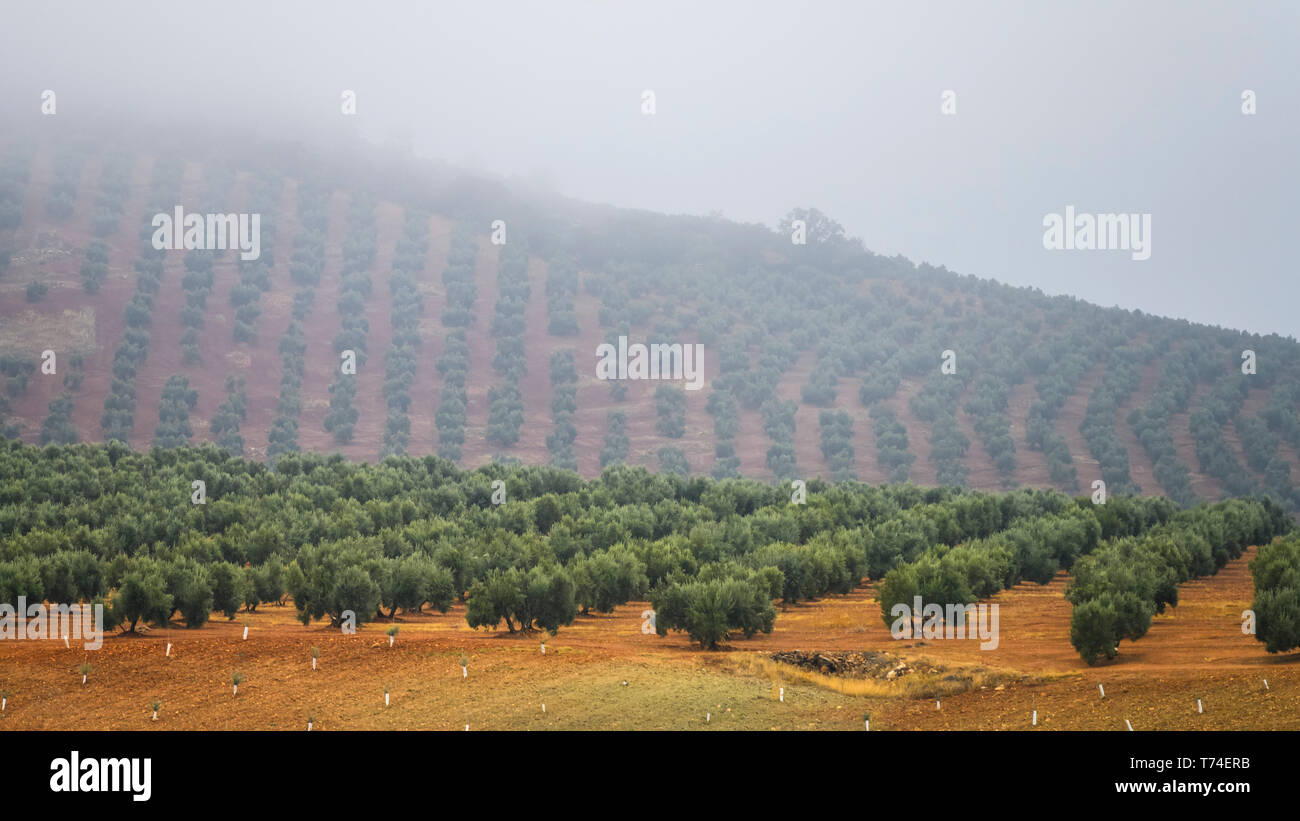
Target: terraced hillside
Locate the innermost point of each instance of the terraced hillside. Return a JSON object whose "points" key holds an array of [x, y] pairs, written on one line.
{"points": [[820, 359]]}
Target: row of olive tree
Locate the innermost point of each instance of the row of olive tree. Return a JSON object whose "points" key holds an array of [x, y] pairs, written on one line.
{"points": [[453, 364], [255, 274], [118, 418], [409, 260], [360, 243], [1276, 572], [306, 264], [1118, 589]]}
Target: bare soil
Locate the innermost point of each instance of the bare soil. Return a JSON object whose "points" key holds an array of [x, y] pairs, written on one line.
{"points": [[1194, 651]]}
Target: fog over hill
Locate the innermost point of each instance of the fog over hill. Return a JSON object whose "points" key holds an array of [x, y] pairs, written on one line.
{"points": [[1110, 107]]}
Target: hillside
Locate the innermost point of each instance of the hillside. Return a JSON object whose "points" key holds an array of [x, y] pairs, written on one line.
{"points": [[820, 360]]}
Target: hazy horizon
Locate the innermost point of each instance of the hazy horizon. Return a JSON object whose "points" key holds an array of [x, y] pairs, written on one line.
{"points": [[760, 108]]}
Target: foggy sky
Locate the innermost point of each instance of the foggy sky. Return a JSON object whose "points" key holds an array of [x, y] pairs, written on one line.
{"points": [[761, 107]]}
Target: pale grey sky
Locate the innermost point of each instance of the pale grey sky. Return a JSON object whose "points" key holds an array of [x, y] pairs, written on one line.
{"points": [[763, 106]]}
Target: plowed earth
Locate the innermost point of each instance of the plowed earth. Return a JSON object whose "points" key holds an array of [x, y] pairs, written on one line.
{"points": [[1194, 651]]}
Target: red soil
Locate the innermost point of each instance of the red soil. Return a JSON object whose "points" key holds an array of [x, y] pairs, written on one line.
{"points": [[208, 377], [165, 331], [260, 361], [322, 362], [372, 410], [482, 347], [1031, 465], [918, 432], [425, 386], [1180, 426], [1139, 463], [1069, 420]]}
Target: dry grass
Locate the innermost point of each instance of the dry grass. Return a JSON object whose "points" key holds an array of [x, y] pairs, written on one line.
{"points": [[39, 260], [30, 332]]}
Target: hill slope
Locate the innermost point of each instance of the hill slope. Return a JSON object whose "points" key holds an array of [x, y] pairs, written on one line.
{"points": [[820, 360]]}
